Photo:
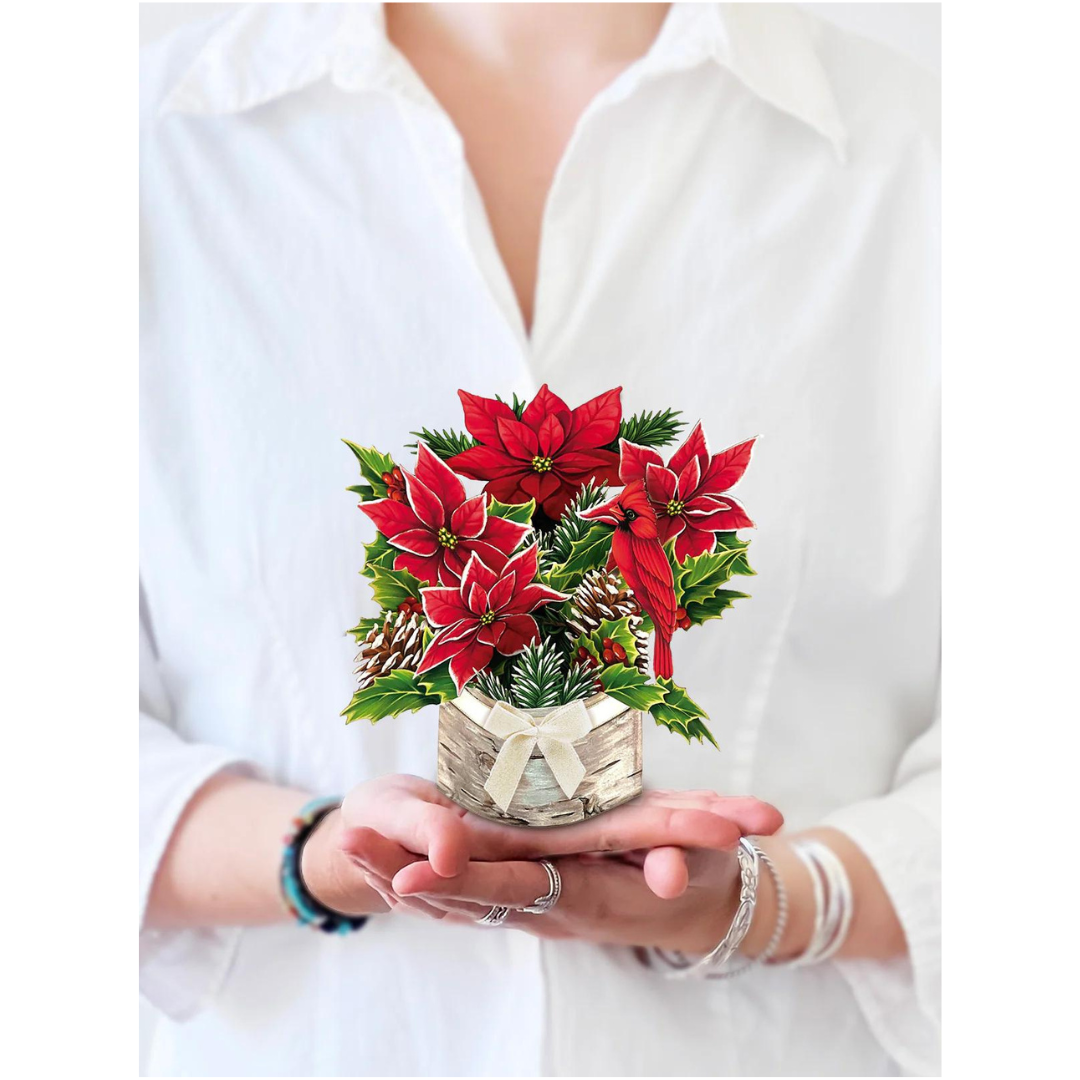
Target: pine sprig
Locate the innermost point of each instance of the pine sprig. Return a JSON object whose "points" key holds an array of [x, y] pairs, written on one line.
{"points": [[444, 444], [487, 682], [651, 428], [517, 405], [580, 683], [555, 547], [537, 678]]}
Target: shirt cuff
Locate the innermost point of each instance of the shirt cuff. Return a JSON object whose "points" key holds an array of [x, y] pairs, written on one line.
{"points": [[901, 999]]}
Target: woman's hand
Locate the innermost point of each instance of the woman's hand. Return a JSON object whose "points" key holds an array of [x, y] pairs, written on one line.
{"points": [[391, 823], [604, 900]]}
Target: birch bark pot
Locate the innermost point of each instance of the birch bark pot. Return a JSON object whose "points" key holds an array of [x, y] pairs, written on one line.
{"points": [[611, 754]]}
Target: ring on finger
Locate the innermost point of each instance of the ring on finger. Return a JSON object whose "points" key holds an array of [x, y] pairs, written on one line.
{"points": [[543, 904], [495, 917]]}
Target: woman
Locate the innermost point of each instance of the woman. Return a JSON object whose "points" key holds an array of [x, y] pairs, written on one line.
{"points": [[348, 215]]}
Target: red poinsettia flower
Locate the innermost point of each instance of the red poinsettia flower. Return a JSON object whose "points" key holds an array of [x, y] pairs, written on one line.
{"points": [[548, 454], [487, 611], [437, 529], [637, 552], [690, 493]]}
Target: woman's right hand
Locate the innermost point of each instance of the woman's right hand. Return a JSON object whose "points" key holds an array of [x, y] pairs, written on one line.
{"points": [[386, 824]]}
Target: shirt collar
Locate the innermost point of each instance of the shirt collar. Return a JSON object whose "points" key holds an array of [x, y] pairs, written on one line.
{"points": [[266, 51]]}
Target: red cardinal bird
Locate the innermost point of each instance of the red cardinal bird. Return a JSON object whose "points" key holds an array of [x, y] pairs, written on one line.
{"points": [[637, 552]]}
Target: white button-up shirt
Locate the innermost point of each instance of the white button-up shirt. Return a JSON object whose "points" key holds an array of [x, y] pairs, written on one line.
{"points": [[744, 226]]}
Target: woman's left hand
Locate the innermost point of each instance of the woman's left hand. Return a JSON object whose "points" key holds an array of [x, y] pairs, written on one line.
{"points": [[611, 901]]}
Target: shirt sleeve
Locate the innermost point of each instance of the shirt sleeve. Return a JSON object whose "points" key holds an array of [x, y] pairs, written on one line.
{"points": [[900, 833], [179, 970]]}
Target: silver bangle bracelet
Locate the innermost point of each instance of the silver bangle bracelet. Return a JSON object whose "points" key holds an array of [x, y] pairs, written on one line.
{"points": [[773, 944], [749, 873]]}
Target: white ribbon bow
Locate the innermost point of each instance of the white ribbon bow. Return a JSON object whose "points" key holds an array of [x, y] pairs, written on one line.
{"points": [[555, 734]]}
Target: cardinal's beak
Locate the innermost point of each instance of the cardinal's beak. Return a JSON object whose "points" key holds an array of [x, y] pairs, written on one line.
{"points": [[610, 513]]}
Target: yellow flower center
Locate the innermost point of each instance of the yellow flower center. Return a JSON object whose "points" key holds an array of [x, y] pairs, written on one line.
{"points": [[447, 538], [487, 618], [542, 464], [675, 507]]}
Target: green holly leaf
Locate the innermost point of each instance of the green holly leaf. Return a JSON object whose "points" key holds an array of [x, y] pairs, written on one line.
{"points": [[730, 541], [389, 695], [699, 581], [713, 607], [378, 553], [678, 712], [588, 553], [373, 464], [391, 588], [363, 628], [437, 683], [618, 630], [520, 512], [631, 687]]}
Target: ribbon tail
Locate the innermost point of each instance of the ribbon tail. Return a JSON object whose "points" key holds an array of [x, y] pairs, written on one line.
{"points": [[564, 763], [502, 782]]}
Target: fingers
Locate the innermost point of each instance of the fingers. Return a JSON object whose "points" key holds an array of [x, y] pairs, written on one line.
{"points": [[414, 815], [513, 884], [666, 872]]}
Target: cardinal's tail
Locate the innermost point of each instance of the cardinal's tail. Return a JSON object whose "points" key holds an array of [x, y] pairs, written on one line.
{"points": [[661, 663]]}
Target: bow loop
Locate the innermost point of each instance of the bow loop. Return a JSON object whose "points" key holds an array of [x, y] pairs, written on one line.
{"points": [[554, 734]]}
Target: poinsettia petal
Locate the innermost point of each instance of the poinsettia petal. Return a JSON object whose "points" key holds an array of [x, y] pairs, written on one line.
{"points": [[475, 657], [725, 520], [661, 484], [488, 635], [610, 513], [704, 505], [439, 478], [478, 598], [546, 404], [596, 423], [556, 503], [540, 486], [634, 459], [582, 463], [425, 502], [489, 555], [519, 439], [693, 542], [418, 541], [477, 571], [667, 527], [485, 463], [468, 520], [519, 632], [444, 606], [453, 565], [507, 489], [503, 533], [530, 598], [726, 468], [482, 415], [424, 567], [524, 564], [502, 591], [551, 436], [689, 478], [694, 446], [391, 517], [446, 643]]}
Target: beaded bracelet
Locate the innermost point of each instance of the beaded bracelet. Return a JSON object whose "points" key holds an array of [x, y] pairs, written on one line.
{"points": [[298, 901]]}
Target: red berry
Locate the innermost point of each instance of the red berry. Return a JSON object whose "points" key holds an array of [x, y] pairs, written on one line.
{"points": [[609, 656], [607, 643], [619, 651]]}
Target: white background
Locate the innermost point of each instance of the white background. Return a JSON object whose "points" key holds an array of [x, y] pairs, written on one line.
{"points": [[911, 29]]}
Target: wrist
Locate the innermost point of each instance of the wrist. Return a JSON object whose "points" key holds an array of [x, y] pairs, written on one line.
{"points": [[330, 877], [798, 889]]}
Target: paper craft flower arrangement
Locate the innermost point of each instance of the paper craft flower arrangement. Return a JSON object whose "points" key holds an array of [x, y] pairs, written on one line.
{"points": [[528, 610]]}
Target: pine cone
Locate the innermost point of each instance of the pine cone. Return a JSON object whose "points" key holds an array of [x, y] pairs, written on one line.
{"points": [[397, 643], [601, 596]]}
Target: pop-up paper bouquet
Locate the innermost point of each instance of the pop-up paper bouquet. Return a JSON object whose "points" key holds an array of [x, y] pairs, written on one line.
{"points": [[538, 611]]}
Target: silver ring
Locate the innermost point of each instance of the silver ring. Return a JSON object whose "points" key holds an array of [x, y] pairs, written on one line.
{"points": [[543, 904], [495, 917]]}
